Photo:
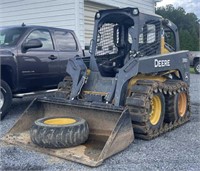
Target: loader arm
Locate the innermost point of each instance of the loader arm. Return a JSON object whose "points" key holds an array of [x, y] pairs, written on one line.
{"points": [[76, 68]]}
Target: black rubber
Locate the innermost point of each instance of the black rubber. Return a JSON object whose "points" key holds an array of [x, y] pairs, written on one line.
{"points": [[7, 95], [59, 136], [196, 64], [171, 108]]}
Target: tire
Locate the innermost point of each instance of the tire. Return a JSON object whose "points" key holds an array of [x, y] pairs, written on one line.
{"points": [[146, 105], [5, 99], [50, 132], [158, 100], [173, 109], [197, 67]]}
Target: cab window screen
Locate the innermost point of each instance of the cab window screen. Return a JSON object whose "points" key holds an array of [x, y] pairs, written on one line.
{"points": [[105, 40], [149, 38]]}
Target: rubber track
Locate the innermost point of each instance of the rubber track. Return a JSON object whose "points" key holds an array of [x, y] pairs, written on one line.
{"points": [[64, 88], [139, 101]]}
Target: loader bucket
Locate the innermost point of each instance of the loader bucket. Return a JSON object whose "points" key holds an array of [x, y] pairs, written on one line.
{"points": [[110, 130]]}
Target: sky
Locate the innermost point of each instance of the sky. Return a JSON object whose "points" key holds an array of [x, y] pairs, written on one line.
{"points": [[188, 5]]}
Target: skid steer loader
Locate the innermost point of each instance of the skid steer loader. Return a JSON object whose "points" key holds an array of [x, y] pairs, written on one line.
{"points": [[135, 85]]}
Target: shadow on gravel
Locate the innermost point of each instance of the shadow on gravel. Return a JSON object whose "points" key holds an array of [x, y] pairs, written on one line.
{"points": [[195, 110], [26, 167], [17, 108]]}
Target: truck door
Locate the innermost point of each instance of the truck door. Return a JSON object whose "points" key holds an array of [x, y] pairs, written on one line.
{"points": [[39, 67], [67, 47]]}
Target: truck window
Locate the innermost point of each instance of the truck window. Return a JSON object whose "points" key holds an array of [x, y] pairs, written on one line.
{"points": [[10, 36], [65, 41], [44, 36]]}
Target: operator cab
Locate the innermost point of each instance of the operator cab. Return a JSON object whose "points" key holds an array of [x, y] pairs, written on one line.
{"points": [[121, 36]]}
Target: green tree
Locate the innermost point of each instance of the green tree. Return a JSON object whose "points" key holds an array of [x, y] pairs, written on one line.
{"points": [[187, 23]]}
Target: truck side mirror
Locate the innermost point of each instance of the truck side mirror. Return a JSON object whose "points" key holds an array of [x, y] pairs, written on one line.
{"points": [[32, 43]]}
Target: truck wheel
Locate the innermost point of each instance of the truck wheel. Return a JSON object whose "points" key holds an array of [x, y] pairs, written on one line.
{"points": [[197, 67], [5, 98], [157, 111], [59, 132]]}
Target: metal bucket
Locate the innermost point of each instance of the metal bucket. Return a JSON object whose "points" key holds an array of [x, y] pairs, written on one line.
{"points": [[110, 130]]}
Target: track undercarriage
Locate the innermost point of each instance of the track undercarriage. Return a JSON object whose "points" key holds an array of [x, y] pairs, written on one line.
{"points": [[139, 104]]}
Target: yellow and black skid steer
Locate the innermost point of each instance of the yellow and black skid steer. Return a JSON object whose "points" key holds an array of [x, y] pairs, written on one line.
{"points": [[133, 85]]}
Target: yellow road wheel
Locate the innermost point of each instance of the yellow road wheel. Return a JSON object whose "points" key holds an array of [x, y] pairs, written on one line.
{"points": [[156, 109], [60, 121], [182, 104]]}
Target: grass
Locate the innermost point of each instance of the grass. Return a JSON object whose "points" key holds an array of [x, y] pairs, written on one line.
{"points": [[192, 70]]}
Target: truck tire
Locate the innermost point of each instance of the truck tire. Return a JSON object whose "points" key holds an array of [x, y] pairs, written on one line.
{"points": [[59, 132], [5, 99], [197, 67]]}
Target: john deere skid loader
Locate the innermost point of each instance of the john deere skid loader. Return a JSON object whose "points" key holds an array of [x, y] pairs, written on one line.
{"points": [[134, 85]]}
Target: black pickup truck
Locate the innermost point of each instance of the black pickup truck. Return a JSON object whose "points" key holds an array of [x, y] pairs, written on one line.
{"points": [[33, 58]]}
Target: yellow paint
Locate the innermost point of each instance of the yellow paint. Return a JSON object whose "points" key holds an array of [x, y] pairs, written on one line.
{"points": [[182, 104], [144, 77], [156, 109], [163, 49], [60, 121], [88, 71]]}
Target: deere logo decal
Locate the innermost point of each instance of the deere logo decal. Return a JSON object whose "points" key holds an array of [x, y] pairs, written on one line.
{"points": [[161, 63]]}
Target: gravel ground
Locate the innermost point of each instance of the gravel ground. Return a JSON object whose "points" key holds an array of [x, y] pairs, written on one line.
{"points": [[176, 150]]}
